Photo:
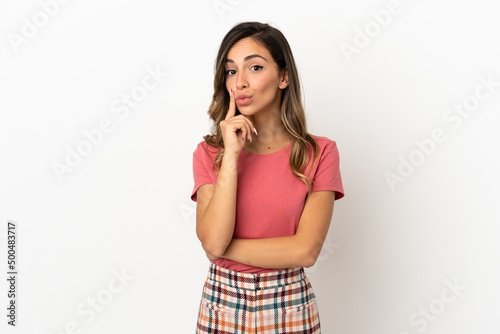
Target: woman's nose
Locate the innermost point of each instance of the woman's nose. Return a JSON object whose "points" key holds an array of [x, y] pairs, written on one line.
{"points": [[241, 81]]}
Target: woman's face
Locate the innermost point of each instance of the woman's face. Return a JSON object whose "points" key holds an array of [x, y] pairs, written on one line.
{"points": [[250, 69]]}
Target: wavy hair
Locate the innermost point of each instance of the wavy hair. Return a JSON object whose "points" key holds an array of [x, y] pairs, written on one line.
{"points": [[292, 113]]}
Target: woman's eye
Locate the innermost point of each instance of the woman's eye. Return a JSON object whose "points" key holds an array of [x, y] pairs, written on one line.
{"points": [[259, 67]]}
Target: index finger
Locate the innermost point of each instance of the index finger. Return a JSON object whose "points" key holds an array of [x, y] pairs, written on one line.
{"points": [[232, 106]]}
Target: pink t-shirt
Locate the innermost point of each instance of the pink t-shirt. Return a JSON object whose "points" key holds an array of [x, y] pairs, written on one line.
{"points": [[270, 198]]}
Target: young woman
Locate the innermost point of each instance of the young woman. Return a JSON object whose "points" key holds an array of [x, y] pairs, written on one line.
{"points": [[264, 188]]}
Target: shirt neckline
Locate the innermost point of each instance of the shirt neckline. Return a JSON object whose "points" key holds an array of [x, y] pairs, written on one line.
{"points": [[268, 154]]}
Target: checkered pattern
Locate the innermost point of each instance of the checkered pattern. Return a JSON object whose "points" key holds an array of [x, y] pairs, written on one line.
{"points": [[275, 302]]}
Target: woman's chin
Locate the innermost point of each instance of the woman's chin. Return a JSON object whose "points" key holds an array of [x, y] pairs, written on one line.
{"points": [[246, 111]]}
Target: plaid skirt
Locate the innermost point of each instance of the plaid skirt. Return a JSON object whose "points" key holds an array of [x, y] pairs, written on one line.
{"points": [[281, 301]]}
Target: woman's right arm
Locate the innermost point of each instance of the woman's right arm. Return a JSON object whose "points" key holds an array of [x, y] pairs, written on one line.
{"points": [[216, 205], [216, 208]]}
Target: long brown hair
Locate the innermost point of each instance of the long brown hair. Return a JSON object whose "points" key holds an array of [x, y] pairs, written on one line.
{"points": [[291, 112]]}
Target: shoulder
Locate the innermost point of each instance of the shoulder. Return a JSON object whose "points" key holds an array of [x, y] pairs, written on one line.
{"points": [[328, 152], [324, 143], [200, 146], [203, 150]]}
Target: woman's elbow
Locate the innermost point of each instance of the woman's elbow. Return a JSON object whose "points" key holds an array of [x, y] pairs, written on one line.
{"points": [[309, 256], [215, 248], [208, 244], [309, 261]]}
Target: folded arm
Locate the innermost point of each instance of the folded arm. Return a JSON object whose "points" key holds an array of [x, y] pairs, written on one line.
{"points": [[299, 250]]}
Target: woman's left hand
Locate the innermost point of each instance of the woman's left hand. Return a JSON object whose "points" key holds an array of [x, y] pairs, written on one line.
{"points": [[211, 256]]}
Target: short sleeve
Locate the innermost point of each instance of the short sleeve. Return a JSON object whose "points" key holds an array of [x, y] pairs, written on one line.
{"points": [[201, 175], [327, 175]]}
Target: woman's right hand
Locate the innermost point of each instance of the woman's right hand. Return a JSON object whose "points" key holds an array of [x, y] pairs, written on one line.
{"points": [[235, 129]]}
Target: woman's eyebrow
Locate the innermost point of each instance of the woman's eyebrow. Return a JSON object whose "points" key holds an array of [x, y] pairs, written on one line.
{"points": [[247, 58]]}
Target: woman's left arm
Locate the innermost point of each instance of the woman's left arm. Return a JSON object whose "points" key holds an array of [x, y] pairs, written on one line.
{"points": [[299, 250]]}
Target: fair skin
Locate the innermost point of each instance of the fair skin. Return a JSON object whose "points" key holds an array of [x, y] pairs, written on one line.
{"points": [[260, 78]]}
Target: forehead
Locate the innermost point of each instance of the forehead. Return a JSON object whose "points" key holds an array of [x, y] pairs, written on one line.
{"points": [[245, 47]]}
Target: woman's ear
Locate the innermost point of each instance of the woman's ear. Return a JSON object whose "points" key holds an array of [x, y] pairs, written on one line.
{"points": [[284, 79]]}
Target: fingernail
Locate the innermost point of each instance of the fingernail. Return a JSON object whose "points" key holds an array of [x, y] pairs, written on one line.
{"points": [[255, 130]]}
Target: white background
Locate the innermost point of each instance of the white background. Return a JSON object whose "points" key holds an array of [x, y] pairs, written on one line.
{"points": [[126, 205]]}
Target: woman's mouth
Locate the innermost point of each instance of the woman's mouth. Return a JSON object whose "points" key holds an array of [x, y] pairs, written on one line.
{"points": [[243, 101]]}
